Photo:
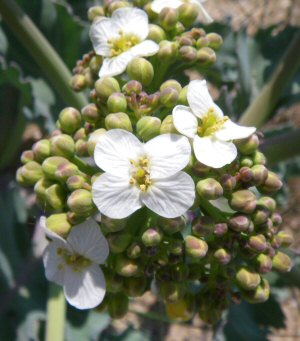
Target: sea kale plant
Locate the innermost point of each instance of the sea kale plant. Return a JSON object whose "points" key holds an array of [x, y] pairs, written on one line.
{"points": [[151, 186]]}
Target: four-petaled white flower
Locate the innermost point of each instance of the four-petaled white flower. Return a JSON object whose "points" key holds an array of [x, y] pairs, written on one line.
{"points": [[158, 5], [211, 131], [121, 38], [74, 263], [140, 174]]}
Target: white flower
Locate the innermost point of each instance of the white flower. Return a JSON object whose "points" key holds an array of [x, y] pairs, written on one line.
{"points": [[205, 123], [74, 263], [121, 38], [140, 174], [158, 5]]}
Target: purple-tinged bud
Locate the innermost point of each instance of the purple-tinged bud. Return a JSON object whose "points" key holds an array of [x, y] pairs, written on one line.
{"points": [[118, 4], [228, 182], [90, 113], [75, 182], [257, 243], [168, 18], [244, 201], [215, 41], [95, 64], [171, 291], [247, 279], [220, 229], [41, 150], [185, 41], [95, 12], [89, 78], [134, 251], [171, 226], [127, 267], [182, 310], [195, 247], [286, 239], [182, 98], [132, 87], [282, 262], [117, 305], [246, 174], [156, 33], [135, 287], [209, 189], [260, 216], [93, 140], [260, 174], [80, 134], [171, 83], [267, 203], [246, 161], [263, 263], [259, 158], [271, 185], [259, 295], [56, 196], [196, 33], [200, 170], [78, 82], [62, 145], [249, 145], [40, 189], [27, 156], [167, 50], [167, 126], [81, 202], [141, 69], [105, 87], [119, 120], [206, 56], [117, 103], [202, 42], [188, 13], [30, 173], [168, 97], [275, 242], [114, 282], [152, 237], [81, 148], [188, 54], [51, 164], [222, 256], [276, 219], [203, 226], [113, 225], [239, 223], [119, 241], [148, 127], [69, 120], [59, 224]]}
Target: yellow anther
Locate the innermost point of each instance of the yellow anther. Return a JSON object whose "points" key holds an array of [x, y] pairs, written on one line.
{"points": [[132, 181], [143, 188], [122, 43], [140, 173], [210, 123]]}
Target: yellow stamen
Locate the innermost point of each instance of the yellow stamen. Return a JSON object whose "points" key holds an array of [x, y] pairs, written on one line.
{"points": [[122, 43], [210, 123], [140, 174]]}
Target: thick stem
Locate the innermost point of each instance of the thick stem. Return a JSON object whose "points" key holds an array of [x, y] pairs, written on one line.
{"points": [[41, 51], [56, 309], [269, 96]]}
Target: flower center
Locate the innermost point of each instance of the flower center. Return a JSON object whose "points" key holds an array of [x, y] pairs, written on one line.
{"points": [[122, 43], [210, 123], [73, 260], [140, 175]]}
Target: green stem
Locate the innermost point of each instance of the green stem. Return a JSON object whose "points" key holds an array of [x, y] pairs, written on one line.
{"points": [[269, 96], [56, 309], [83, 166], [41, 51], [282, 147]]}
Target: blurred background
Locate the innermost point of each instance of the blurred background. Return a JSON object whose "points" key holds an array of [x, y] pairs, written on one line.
{"points": [[256, 35]]}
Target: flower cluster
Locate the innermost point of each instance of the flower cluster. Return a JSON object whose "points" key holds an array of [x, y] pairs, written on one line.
{"points": [[184, 194]]}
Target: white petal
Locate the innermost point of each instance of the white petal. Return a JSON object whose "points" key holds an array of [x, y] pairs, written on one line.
{"points": [[114, 151], [55, 266], [87, 240], [158, 5], [185, 121], [144, 49], [131, 21], [213, 152], [85, 289], [167, 154], [207, 17], [200, 100], [171, 197], [50, 234], [116, 65], [115, 197], [232, 131]]}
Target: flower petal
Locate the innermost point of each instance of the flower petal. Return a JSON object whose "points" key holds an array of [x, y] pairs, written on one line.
{"points": [[116, 65], [131, 21], [200, 100], [167, 154], [85, 289], [214, 153], [145, 49], [87, 240], [115, 197], [114, 151], [232, 131], [158, 5], [170, 197], [55, 266], [185, 121]]}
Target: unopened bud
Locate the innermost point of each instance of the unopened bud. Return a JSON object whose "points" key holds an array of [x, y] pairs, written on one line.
{"points": [[260, 174], [286, 239], [172, 291], [276, 219], [80, 201], [117, 305], [239, 223], [263, 263], [94, 139], [132, 87], [167, 50], [62, 145], [105, 87], [56, 196], [156, 33], [152, 237], [222, 256], [148, 127], [260, 216], [134, 251], [220, 229], [188, 54], [171, 83], [259, 158], [91, 113], [75, 219], [267, 203], [203, 226], [244, 201], [249, 145], [141, 69], [246, 174], [27, 156], [209, 189], [116, 103], [69, 120], [59, 224], [188, 13], [259, 295], [135, 287], [51, 164], [182, 99], [119, 241], [95, 64], [202, 42], [113, 225], [282, 262], [246, 161], [168, 18], [258, 243], [151, 14], [228, 182], [118, 4], [95, 11], [31, 173], [40, 188], [168, 97], [215, 41], [271, 185], [81, 148], [167, 126], [171, 226], [247, 279], [206, 56], [75, 182], [41, 150], [127, 267], [195, 247], [119, 120], [78, 82]]}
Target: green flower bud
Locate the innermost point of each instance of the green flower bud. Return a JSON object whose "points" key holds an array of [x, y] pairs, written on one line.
{"points": [[182, 98], [41, 150], [151, 14], [171, 226], [141, 69], [51, 164], [90, 113], [178, 29], [228, 182], [62, 145], [78, 82], [260, 174], [94, 12], [246, 161], [135, 287], [188, 14], [80, 134], [59, 224], [244, 201], [171, 83], [81, 148], [134, 251], [222, 256], [113, 225], [258, 243], [259, 158], [117, 103], [171, 291], [220, 229], [75, 182], [182, 310], [27, 156], [167, 126], [247, 279], [152, 237], [259, 295], [117, 305], [203, 226], [118, 4], [168, 97], [206, 56], [276, 219], [119, 120], [282, 262], [56, 196], [167, 51], [267, 203], [148, 127], [89, 78], [202, 42], [75, 218], [93, 140], [119, 241], [215, 41], [30, 173], [127, 267], [263, 263], [40, 189], [95, 64], [195, 247], [239, 223], [156, 33], [80, 201], [209, 189], [246, 174], [271, 185], [168, 18], [249, 145], [286, 239], [105, 87], [114, 282], [69, 120], [132, 87], [260, 216], [188, 54]]}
